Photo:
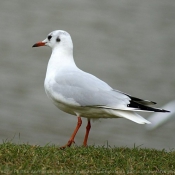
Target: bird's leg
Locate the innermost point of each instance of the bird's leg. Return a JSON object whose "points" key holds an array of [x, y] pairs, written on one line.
{"points": [[71, 140], [88, 127]]}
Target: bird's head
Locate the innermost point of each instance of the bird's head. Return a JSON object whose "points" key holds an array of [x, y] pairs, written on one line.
{"points": [[57, 39]]}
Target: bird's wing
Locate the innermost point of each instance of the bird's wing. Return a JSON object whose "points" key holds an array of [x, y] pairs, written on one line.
{"points": [[87, 90], [83, 89]]}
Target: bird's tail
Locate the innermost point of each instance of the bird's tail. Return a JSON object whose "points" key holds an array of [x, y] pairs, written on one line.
{"points": [[130, 115]]}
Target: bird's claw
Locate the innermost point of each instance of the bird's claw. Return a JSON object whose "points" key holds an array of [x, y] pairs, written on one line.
{"points": [[69, 143]]}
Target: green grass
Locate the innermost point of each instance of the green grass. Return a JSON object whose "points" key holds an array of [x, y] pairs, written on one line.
{"points": [[31, 159]]}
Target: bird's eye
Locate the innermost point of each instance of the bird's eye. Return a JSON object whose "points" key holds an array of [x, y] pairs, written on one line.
{"points": [[49, 37], [58, 39]]}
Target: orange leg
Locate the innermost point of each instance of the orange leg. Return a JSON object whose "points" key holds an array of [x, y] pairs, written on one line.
{"points": [[71, 140], [88, 127]]}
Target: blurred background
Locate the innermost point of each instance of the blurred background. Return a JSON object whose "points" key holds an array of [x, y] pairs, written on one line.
{"points": [[128, 44]]}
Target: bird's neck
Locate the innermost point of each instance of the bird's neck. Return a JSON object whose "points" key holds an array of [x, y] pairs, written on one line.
{"points": [[60, 59]]}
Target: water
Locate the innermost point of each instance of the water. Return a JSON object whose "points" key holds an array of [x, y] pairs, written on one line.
{"points": [[128, 44]]}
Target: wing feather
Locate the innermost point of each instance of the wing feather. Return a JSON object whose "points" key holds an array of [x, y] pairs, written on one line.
{"points": [[88, 90]]}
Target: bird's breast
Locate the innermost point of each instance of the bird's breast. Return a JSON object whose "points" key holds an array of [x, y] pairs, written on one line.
{"points": [[48, 87]]}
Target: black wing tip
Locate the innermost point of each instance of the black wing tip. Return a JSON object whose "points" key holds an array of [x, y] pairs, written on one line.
{"points": [[154, 102], [137, 105], [141, 101], [163, 110]]}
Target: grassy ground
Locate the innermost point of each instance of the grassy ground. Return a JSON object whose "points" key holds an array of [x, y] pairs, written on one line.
{"points": [[29, 159]]}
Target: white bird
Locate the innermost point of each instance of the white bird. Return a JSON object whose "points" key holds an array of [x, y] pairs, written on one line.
{"points": [[82, 94]]}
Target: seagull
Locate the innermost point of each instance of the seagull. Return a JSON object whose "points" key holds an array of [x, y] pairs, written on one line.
{"points": [[82, 94]]}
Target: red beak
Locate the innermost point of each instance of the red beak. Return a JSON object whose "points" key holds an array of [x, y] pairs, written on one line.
{"points": [[39, 44]]}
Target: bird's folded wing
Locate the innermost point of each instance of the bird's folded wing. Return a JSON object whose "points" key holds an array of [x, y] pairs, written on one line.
{"points": [[83, 89], [87, 90]]}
